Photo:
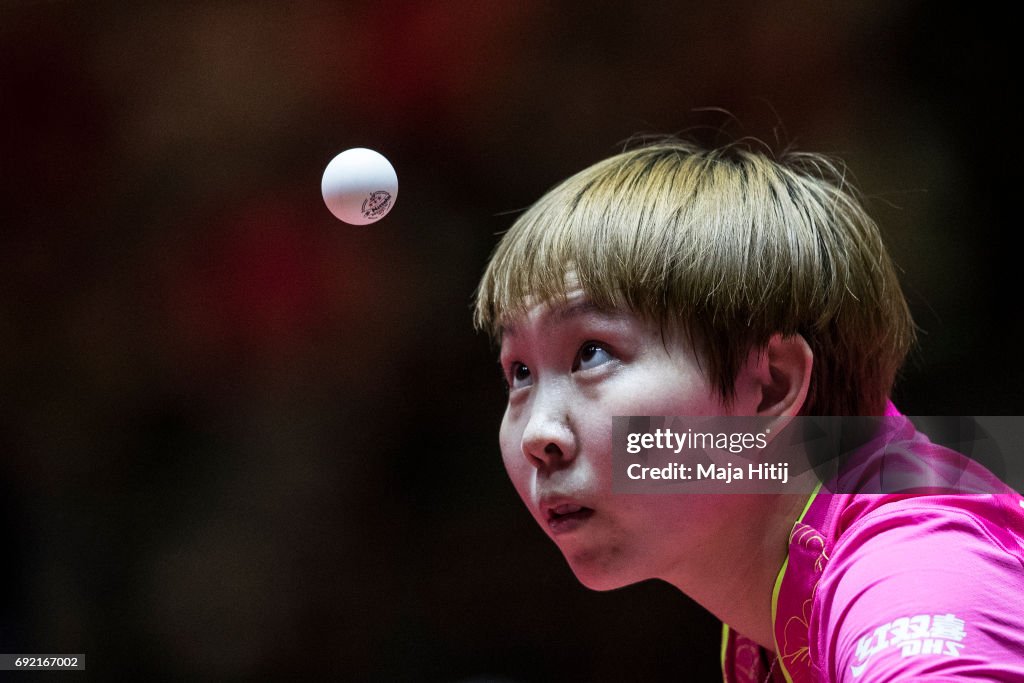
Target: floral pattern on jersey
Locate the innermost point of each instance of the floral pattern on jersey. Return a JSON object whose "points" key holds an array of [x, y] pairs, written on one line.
{"points": [[807, 547]]}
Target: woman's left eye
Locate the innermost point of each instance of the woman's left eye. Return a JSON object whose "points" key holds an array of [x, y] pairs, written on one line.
{"points": [[590, 356]]}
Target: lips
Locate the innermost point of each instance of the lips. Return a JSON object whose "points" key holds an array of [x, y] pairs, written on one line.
{"points": [[563, 517]]}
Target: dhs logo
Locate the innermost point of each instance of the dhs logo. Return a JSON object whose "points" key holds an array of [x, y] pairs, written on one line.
{"points": [[376, 205]]}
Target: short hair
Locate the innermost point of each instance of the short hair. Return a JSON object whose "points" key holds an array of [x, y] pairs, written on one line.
{"points": [[732, 244]]}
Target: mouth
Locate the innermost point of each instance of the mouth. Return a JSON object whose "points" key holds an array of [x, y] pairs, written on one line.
{"points": [[565, 517]]}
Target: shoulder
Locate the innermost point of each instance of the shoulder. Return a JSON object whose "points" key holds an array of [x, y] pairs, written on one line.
{"points": [[925, 584]]}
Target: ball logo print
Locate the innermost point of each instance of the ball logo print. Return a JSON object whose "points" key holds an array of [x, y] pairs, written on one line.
{"points": [[377, 204]]}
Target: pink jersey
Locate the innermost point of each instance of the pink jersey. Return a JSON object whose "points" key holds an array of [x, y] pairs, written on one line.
{"points": [[886, 587]]}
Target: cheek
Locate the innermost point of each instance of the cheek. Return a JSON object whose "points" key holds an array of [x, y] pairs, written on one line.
{"points": [[516, 465], [673, 395], [506, 439]]}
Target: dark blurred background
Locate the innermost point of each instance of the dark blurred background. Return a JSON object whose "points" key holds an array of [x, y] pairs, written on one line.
{"points": [[242, 440]]}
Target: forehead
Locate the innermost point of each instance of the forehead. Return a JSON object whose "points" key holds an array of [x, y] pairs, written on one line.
{"points": [[576, 306], [537, 321]]}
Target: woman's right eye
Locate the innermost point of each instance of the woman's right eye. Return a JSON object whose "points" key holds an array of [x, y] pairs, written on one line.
{"points": [[520, 376]]}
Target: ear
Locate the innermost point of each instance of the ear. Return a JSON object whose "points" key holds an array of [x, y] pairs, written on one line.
{"points": [[775, 379]]}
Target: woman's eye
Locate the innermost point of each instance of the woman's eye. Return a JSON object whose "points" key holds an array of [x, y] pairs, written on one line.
{"points": [[520, 375], [590, 356]]}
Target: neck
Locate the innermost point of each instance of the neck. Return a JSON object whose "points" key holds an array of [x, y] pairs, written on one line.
{"points": [[734, 573]]}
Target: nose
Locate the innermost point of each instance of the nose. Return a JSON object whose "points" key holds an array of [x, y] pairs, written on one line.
{"points": [[549, 440]]}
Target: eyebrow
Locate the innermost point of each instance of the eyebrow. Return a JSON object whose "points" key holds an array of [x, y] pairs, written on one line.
{"points": [[563, 313]]}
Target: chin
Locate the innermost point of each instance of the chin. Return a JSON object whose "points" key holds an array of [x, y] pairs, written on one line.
{"points": [[601, 578]]}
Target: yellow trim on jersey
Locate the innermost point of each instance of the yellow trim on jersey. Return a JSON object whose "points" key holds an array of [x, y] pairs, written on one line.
{"points": [[725, 645], [807, 506]]}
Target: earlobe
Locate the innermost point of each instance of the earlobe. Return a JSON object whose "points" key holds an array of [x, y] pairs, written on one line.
{"points": [[785, 375]]}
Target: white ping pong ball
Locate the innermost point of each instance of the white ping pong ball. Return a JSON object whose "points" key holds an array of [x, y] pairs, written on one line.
{"points": [[359, 186]]}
